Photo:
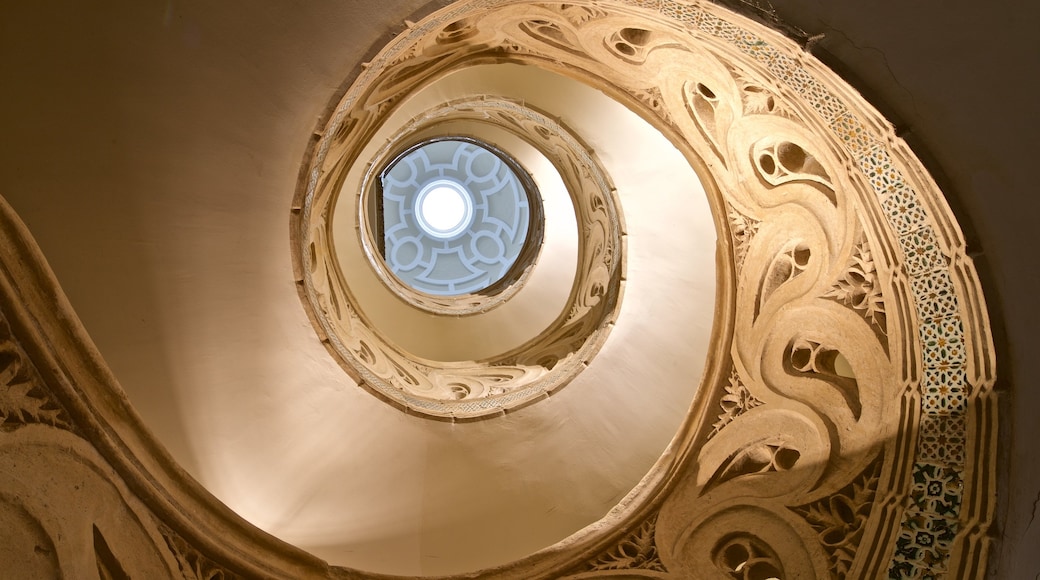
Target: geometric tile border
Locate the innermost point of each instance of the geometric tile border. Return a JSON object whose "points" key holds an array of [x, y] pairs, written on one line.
{"points": [[929, 526]]}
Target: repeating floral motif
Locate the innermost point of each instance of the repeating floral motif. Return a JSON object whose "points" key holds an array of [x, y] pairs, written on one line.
{"points": [[23, 397], [743, 229], [737, 401], [859, 287], [636, 552], [194, 565], [840, 519]]}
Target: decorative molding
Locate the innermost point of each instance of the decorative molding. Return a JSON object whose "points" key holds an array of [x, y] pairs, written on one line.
{"points": [[24, 398], [840, 519], [487, 388], [192, 564], [635, 552], [737, 401]]}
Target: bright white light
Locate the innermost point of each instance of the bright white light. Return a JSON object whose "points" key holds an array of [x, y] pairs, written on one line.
{"points": [[444, 209]]}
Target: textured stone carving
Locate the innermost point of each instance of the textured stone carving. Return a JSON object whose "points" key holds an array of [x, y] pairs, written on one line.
{"points": [[831, 225], [759, 457], [859, 287], [743, 230], [839, 519], [737, 401], [191, 563], [23, 397], [485, 388], [636, 552], [843, 214], [745, 557]]}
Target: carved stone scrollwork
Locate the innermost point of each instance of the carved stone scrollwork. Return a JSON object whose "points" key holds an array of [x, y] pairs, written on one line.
{"points": [[636, 552], [23, 397], [844, 270], [193, 564], [743, 229], [840, 519], [737, 401], [809, 358], [857, 325], [757, 458], [860, 289], [528, 372], [745, 557]]}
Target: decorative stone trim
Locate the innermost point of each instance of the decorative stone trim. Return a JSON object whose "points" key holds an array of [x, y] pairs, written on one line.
{"points": [[897, 425], [469, 390], [851, 296]]}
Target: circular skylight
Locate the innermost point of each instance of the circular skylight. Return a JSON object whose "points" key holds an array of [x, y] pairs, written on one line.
{"points": [[444, 208], [453, 216]]}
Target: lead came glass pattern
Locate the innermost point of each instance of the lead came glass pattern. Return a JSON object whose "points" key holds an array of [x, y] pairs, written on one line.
{"points": [[455, 217]]}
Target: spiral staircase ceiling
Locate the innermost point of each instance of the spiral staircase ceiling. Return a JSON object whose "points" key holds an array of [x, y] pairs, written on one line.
{"points": [[156, 149]]}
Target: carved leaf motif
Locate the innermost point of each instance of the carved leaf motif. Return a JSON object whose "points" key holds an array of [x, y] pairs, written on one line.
{"points": [[744, 229], [577, 14], [839, 520], [737, 401], [652, 98], [193, 565], [636, 552], [860, 289], [757, 98], [23, 399]]}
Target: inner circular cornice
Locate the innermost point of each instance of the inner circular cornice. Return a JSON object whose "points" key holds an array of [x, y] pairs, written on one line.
{"points": [[482, 382]]}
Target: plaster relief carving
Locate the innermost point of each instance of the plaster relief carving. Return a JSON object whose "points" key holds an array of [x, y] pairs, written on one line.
{"points": [[482, 388], [757, 458], [859, 288]]}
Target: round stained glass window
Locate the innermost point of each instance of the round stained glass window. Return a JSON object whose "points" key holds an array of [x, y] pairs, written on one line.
{"points": [[454, 217]]}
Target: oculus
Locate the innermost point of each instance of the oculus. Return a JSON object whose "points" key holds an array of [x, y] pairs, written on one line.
{"points": [[452, 217]]}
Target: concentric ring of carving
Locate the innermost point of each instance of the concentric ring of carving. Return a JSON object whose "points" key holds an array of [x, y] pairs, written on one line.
{"points": [[845, 426], [460, 391], [472, 270]]}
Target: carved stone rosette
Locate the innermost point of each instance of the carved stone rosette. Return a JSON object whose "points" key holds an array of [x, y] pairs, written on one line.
{"points": [[845, 425]]}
